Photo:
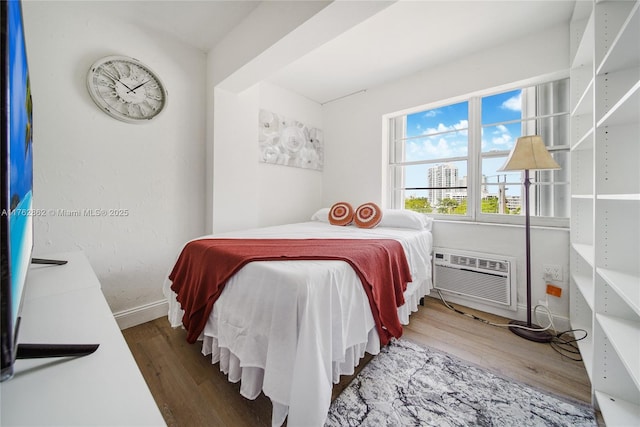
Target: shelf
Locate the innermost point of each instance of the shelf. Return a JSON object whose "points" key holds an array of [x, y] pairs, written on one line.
{"points": [[582, 196], [618, 57], [619, 197], [585, 251], [616, 411], [585, 142], [626, 110], [585, 284], [584, 105], [625, 284], [624, 335]]}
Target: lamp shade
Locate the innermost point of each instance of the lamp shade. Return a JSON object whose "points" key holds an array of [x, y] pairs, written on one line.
{"points": [[529, 153]]}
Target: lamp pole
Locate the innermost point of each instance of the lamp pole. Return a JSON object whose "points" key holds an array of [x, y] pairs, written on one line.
{"points": [[529, 153], [527, 226], [519, 328]]}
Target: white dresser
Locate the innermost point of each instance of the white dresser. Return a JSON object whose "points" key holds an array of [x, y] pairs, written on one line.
{"points": [[65, 305]]}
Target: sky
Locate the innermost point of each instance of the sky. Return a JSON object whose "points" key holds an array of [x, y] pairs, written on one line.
{"points": [[445, 131]]}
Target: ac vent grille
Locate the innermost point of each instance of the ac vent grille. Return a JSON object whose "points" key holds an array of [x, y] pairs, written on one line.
{"points": [[464, 260], [489, 264], [476, 276]]}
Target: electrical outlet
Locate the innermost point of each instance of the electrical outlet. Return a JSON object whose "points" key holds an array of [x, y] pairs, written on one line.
{"points": [[552, 272], [554, 290]]}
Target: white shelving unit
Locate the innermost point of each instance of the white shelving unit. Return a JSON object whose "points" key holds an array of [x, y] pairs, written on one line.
{"points": [[605, 212]]}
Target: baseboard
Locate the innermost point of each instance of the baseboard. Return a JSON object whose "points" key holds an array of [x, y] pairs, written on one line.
{"points": [[142, 314], [561, 323]]}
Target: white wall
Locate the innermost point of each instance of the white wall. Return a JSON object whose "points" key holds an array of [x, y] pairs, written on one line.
{"points": [[247, 193], [548, 246], [356, 145], [84, 159]]}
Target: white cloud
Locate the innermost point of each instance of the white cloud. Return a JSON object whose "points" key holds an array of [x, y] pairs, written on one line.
{"points": [[461, 125], [514, 103], [503, 139], [428, 149], [501, 129]]}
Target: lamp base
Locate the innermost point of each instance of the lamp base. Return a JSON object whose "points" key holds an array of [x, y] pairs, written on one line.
{"points": [[537, 336]]}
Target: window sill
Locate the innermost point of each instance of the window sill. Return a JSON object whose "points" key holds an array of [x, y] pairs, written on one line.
{"points": [[560, 227]]}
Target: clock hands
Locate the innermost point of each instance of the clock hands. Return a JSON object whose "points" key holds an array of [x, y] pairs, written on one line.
{"points": [[115, 79], [141, 84]]}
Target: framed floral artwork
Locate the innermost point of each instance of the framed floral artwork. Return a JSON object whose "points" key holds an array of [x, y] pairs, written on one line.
{"points": [[288, 142]]}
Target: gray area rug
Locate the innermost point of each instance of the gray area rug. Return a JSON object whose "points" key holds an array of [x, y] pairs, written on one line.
{"points": [[412, 385]]}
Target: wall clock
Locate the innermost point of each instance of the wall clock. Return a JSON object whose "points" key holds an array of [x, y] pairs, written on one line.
{"points": [[126, 89]]}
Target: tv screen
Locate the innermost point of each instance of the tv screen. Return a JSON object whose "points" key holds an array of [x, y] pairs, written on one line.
{"points": [[17, 179]]}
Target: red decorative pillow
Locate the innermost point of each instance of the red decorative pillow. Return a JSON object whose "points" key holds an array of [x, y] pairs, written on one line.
{"points": [[341, 213], [367, 215]]}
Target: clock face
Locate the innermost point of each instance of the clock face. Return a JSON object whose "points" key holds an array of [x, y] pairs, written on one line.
{"points": [[126, 89]]}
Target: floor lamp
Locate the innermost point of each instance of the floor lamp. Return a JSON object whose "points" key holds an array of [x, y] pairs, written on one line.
{"points": [[529, 153]]}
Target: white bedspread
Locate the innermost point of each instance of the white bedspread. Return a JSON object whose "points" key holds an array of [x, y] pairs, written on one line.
{"points": [[291, 328]]}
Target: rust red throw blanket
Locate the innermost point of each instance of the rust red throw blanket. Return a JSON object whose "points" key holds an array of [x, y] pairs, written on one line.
{"points": [[205, 265]]}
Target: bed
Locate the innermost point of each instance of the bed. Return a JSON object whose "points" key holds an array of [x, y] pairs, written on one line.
{"points": [[292, 328]]}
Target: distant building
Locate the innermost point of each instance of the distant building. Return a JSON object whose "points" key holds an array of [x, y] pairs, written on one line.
{"points": [[440, 177], [444, 176], [513, 203]]}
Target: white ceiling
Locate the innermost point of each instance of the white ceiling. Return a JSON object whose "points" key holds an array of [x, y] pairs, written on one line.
{"points": [[401, 39], [199, 23], [412, 35]]}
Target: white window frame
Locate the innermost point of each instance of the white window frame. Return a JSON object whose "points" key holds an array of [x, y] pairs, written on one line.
{"points": [[474, 157]]}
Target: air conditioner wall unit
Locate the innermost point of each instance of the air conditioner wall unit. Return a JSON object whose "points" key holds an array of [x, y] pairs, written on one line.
{"points": [[486, 278]]}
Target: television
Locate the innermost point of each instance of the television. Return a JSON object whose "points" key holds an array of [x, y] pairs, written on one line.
{"points": [[16, 194], [17, 179]]}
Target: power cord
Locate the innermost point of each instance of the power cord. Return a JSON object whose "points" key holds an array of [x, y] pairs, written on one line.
{"points": [[566, 347]]}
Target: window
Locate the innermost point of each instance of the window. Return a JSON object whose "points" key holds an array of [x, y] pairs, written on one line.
{"points": [[444, 160]]}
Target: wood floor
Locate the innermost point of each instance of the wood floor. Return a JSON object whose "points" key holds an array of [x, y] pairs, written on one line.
{"points": [[191, 392]]}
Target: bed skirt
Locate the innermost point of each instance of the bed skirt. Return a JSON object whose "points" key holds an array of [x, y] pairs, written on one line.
{"points": [[251, 371]]}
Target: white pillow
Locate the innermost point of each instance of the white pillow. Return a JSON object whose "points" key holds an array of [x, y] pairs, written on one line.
{"points": [[402, 218], [321, 215]]}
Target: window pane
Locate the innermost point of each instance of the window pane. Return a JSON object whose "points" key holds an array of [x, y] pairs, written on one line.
{"points": [[500, 137], [550, 200], [439, 184], [553, 197], [502, 107], [501, 199], [490, 174], [438, 120], [418, 202], [453, 203], [553, 98], [501, 192], [554, 130], [442, 146]]}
